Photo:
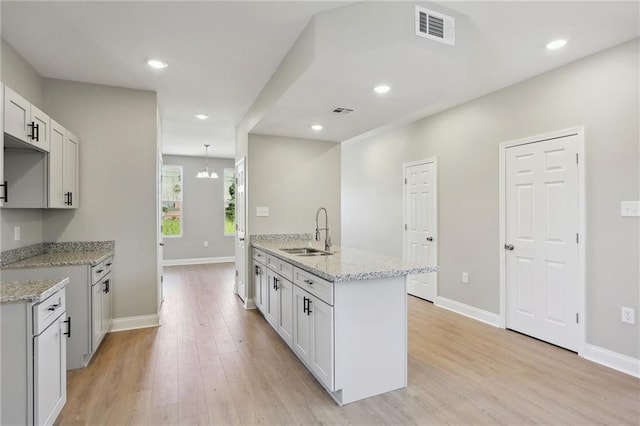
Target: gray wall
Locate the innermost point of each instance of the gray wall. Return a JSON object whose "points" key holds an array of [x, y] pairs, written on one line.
{"points": [[293, 177], [117, 131], [600, 92], [203, 210]]}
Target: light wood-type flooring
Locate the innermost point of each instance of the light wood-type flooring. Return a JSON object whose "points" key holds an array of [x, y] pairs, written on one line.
{"points": [[212, 362]]}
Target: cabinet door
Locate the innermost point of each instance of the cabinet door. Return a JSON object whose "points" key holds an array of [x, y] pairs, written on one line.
{"points": [[50, 372], [56, 165], [40, 128], [285, 310], [17, 113], [106, 304], [301, 324], [70, 175], [271, 299], [96, 316], [258, 273], [321, 355]]}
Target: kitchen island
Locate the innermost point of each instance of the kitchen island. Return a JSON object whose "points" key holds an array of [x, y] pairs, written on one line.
{"points": [[344, 314]]}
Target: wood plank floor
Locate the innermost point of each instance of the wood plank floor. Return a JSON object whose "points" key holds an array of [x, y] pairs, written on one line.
{"points": [[212, 362]]}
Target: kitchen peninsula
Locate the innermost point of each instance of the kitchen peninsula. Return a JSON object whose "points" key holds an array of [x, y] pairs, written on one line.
{"points": [[343, 312]]}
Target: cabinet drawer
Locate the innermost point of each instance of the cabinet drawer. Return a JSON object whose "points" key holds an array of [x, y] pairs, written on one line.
{"points": [[259, 255], [97, 272], [280, 266], [320, 288], [45, 312], [108, 265]]}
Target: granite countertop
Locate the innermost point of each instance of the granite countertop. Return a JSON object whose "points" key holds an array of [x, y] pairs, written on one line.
{"points": [[62, 258], [346, 264], [30, 290]]}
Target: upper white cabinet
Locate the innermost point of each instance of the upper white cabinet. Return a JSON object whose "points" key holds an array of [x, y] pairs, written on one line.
{"points": [[63, 168], [24, 121], [40, 158]]}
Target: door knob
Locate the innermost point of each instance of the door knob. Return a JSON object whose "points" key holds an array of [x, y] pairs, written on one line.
{"points": [[508, 247], [429, 238]]}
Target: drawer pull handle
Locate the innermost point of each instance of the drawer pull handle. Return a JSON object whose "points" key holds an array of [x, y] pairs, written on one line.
{"points": [[5, 197], [308, 282], [54, 307], [68, 333], [109, 264], [99, 271]]}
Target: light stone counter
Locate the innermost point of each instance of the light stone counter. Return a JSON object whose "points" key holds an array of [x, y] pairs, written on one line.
{"points": [[62, 258], [30, 290], [346, 264]]}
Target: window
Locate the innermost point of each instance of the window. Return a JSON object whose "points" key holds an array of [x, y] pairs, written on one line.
{"points": [[171, 201], [229, 202]]}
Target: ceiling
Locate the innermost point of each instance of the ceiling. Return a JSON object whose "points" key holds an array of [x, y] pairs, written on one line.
{"points": [[222, 54]]}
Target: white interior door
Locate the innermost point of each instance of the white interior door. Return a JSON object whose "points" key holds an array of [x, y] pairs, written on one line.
{"points": [[241, 255], [541, 247], [421, 225]]}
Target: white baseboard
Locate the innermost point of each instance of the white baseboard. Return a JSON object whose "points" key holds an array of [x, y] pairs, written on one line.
{"points": [[615, 360], [133, 323], [469, 311], [198, 261]]}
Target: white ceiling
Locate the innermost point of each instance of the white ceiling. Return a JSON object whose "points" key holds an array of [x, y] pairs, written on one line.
{"points": [[221, 55]]}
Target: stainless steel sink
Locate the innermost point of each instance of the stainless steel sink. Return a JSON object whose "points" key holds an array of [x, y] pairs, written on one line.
{"points": [[306, 251]]}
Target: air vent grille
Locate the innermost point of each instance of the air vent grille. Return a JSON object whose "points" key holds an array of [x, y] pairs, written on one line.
{"points": [[342, 110], [435, 26]]}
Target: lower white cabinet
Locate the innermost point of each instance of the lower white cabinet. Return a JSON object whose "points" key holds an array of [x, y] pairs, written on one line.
{"points": [[88, 304], [313, 335], [279, 305], [259, 284], [34, 361]]}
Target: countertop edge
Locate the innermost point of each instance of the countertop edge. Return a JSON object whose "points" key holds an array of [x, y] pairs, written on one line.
{"points": [[391, 273], [37, 298], [24, 264]]}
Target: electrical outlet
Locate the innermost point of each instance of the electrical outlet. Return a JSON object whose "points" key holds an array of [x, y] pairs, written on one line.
{"points": [[16, 233], [206, 243], [465, 277], [628, 315], [630, 208]]}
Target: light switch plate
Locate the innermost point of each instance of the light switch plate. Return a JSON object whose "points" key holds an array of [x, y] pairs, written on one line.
{"points": [[630, 208], [16, 233], [262, 211]]}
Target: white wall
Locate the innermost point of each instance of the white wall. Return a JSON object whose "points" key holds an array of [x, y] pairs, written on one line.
{"points": [[600, 92], [293, 177], [117, 131], [203, 212]]}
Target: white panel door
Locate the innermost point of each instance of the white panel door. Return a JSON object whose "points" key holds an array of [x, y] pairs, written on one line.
{"points": [[541, 240], [421, 225], [17, 115], [285, 310], [50, 372], [241, 255], [56, 165]]}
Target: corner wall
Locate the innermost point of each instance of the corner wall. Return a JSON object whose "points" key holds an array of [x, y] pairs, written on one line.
{"points": [[117, 130], [600, 92]]}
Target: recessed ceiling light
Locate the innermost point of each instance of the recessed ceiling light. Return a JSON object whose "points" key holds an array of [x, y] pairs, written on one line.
{"points": [[556, 44], [202, 116], [317, 127], [157, 64], [383, 88]]}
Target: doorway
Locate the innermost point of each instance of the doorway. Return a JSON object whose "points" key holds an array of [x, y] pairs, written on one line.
{"points": [[542, 237], [421, 225]]}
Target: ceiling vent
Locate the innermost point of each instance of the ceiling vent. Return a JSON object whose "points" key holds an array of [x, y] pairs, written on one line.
{"points": [[342, 110], [435, 26]]}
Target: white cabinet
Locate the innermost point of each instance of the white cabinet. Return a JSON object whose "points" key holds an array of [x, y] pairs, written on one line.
{"points": [[3, 182], [259, 269], [279, 305], [63, 168], [34, 372], [24, 121], [313, 335], [88, 305]]}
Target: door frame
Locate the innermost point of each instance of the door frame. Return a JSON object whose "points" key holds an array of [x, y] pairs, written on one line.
{"points": [[581, 183], [405, 166]]}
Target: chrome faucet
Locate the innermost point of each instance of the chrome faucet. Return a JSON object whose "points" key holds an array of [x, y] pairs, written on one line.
{"points": [[327, 240]]}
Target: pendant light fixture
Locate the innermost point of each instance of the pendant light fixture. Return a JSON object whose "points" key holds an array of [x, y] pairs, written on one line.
{"points": [[205, 172]]}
